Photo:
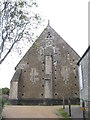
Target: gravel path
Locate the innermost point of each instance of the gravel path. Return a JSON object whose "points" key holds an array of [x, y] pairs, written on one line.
{"points": [[30, 112]]}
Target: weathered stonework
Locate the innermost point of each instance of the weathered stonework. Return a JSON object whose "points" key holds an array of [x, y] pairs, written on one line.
{"points": [[14, 90], [14, 85], [84, 77], [48, 69]]}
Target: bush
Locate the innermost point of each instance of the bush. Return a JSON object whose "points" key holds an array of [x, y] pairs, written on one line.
{"points": [[5, 91]]}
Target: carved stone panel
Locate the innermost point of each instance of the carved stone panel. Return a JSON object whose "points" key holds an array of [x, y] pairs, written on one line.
{"points": [[33, 75]]}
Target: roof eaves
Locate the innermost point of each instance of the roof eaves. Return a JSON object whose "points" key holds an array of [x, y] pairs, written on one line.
{"points": [[83, 55]]}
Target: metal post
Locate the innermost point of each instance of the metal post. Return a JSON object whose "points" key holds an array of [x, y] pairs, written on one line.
{"points": [[63, 103], [83, 109], [69, 103]]}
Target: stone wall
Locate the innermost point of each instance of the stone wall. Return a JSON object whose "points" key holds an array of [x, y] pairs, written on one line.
{"points": [[85, 67], [89, 83], [14, 90], [61, 67]]}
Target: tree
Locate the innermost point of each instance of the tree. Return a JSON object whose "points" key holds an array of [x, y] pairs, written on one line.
{"points": [[17, 19], [5, 91]]}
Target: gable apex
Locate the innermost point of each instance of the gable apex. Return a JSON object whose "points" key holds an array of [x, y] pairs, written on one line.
{"points": [[47, 34]]}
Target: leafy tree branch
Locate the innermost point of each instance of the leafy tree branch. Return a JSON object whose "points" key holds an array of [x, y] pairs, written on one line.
{"points": [[17, 21]]}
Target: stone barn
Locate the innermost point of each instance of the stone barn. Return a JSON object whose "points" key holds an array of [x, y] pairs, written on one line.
{"points": [[47, 72]]}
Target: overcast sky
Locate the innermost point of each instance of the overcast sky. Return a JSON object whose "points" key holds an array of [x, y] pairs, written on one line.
{"points": [[69, 18]]}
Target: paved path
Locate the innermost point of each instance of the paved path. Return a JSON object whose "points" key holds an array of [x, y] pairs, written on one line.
{"points": [[30, 112], [76, 111], [39, 111]]}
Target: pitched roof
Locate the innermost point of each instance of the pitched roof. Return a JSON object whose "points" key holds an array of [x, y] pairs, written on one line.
{"points": [[83, 55]]}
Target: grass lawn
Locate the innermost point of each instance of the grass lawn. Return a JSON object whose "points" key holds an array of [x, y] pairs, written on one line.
{"points": [[64, 114]]}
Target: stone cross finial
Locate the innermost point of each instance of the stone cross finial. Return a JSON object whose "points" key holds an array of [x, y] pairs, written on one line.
{"points": [[48, 22]]}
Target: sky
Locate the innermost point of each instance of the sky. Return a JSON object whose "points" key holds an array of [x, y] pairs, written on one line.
{"points": [[69, 18]]}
